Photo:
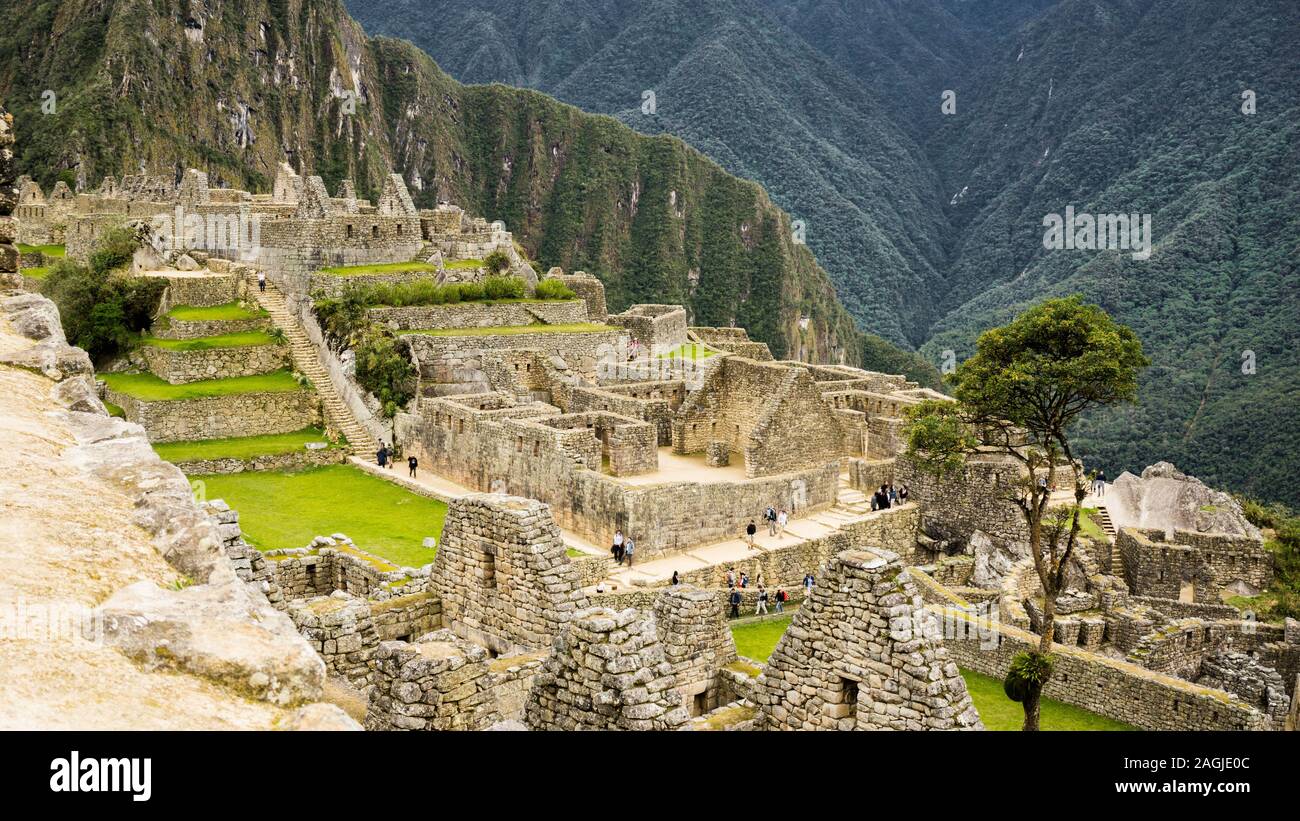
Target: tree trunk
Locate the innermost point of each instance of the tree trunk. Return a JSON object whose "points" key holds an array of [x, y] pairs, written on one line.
{"points": [[1031, 709]]}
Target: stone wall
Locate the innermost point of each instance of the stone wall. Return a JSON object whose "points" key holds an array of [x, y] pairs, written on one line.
{"points": [[589, 289], [442, 682], [656, 328], [458, 360], [867, 475], [169, 328], [697, 643], [952, 508], [180, 367], [221, 417], [297, 460], [1192, 566], [502, 573], [481, 315], [205, 290], [771, 413], [606, 671], [1115, 689], [863, 654], [8, 196], [340, 630], [731, 340]]}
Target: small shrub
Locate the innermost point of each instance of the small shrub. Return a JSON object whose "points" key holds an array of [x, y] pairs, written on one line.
{"points": [[496, 262], [503, 288], [554, 289]]}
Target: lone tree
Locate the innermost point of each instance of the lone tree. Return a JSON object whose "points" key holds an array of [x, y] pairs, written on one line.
{"points": [[1019, 395]]}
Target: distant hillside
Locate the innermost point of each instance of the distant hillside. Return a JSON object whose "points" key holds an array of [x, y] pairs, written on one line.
{"points": [[248, 83], [931, 224]]}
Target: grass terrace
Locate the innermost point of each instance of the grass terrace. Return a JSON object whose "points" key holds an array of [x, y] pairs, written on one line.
{"points": [[47, 250], [510, 330], [379, 269], [149, 388], [757, 640], [247, 339], [35, 273], [689, 350], [230, 312], [244, 447], [280, 509]]}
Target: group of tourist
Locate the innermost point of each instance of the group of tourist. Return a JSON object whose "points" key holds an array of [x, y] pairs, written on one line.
{"points": [[387, 458], [887, 496], [776, 522], [760, 604], [624, 548]]}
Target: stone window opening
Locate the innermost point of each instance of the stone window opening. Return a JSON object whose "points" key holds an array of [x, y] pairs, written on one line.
{"points": [[701, 704], [849, 689], [374, 231], [537, 448], [399, 229], [489, 571], [350, 232]]}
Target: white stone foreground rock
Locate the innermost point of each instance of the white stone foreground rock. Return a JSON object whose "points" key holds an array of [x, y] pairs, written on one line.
{"points": [[95, 523]]}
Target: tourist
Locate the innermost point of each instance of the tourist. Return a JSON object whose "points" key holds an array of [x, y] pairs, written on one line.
{"points": [[261, 281], [735, 603], [676, 579], [782, 519], [760, 609], [807, 585], [744, 579], [770, 516], [781, 597], [618, 546], [893, 495], [902, 495], [882, 498], [628, 547], [383, 454], [1099, 485], [412, 463], [750, 530], [731, 577], [875, 501]]}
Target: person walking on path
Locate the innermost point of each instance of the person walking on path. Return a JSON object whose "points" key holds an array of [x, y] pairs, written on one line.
{"points": [[618, 546], [731, 578], [382, 455], [412, 463], [770, 516], [750, 530], [744, 579], [261, 281], [902, 495], [628, 547], [1099, 484], [781, 596], [735, 603], [807, 585], [676, 580], [782, 519], [760, 609]]}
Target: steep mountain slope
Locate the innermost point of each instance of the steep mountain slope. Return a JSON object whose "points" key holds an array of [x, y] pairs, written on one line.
{"points": [[732, 80], [235, 86], [1135, 107]]}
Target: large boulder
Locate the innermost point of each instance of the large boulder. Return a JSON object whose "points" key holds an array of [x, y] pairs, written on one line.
{"points": [[1164, 498]]}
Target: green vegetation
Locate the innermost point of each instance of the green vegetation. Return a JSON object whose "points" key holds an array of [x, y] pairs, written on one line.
{"points": [[245, 447], [115, 410], [553, 289], [289, 509], [246, 339], [491, 290], [756, 640], [379, 268], [150, 388], [36, 273], [1281, 529], [689, 350], [230, 312], [383, 367], [496, 262], [507, 330], [46, 250]]}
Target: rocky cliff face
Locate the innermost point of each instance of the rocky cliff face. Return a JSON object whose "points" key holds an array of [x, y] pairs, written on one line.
{"points": [[236, 86]]}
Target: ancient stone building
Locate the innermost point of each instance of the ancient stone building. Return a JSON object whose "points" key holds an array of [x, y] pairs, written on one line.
{"points": [[1192, 567], [697, 642], [606, 671], [502, 573], [863, 654]]}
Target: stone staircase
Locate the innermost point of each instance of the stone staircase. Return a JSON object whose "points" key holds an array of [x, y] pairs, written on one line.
{"points": [[306, 360], [1106, 524]]}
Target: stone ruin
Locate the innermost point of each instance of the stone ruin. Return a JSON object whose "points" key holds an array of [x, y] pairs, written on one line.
{"points": [[863, 654], [8, 196], [607, 671]]}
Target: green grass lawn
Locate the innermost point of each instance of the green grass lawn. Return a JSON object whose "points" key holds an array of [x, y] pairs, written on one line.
{"points": [[231, 311], [246, 339], [689, 350], [1088, 525], [289, 509], [245, 447], [115, 410], [511, 330], [757, 640], [380, 268], [150, 388], [47, 250], [35, 273]]}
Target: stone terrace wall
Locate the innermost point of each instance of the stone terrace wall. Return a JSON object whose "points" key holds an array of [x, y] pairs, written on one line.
{"points": [[863, 654], [221, 417], [606, 671], [1115, 689], [697, 642], [199, 290], [954, 508], [443, 359], [442, 682], [589, 289], [181, 367], [481, 315], [652, 402], [195, 329], [1155, 567], [297, 460], [502, 573], [732, 340]]}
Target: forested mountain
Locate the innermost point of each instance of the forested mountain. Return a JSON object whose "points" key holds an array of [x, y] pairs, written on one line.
{"points": [[932, 225], [236, 86]]}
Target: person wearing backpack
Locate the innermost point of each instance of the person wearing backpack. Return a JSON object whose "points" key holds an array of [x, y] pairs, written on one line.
{"points": [[781, 597], [770, 516], [628, 547], [760, 609], [735, 603]]}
